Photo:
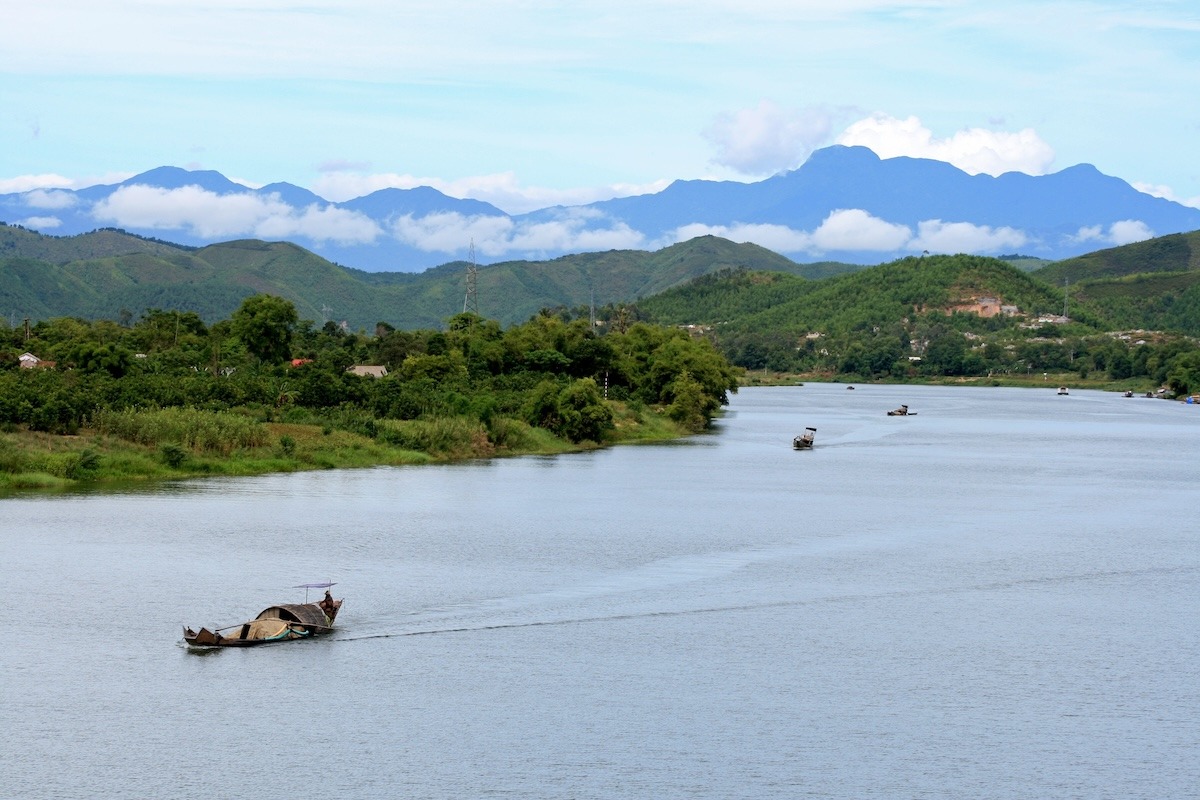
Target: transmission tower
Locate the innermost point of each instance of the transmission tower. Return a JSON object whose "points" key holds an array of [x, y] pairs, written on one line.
{"points": [[471, 301]]}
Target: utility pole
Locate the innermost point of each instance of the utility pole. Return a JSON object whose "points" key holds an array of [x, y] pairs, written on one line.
{"points": [[471, 300]]}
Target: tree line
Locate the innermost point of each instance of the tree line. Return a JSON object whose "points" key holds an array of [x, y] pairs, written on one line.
{"points": [[562, 376]]}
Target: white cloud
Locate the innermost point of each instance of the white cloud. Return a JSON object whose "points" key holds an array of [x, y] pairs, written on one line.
{"points": [[451, 232], [973, 150], [214, 216], [49, 180], [1123, 232], [1166, 193], [497, 236], [49, 199], [843, 229], [26, 183], [501, 189], [768, 139], [40, 223], [855, 229], [937, 236], [779, 238], [1128, 231], [320, 223]]}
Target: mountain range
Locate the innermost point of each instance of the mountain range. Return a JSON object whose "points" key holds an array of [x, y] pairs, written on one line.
{"points": [[844, 204]]}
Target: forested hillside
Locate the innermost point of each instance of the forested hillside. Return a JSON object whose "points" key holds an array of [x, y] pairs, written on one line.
{"points": [[935, 316], [113, 275], [1152, 285]]}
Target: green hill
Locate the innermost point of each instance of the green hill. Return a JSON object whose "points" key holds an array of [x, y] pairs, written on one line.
{"points": [[888, 294], [1178, 252], [107, 274], [1152, 285], [16, 241]]}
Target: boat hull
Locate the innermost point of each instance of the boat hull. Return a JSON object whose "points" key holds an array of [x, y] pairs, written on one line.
{"points": [[282, 623]]}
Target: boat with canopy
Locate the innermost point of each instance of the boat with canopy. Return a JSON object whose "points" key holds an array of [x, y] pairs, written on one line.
{"points": [[278, 623]]}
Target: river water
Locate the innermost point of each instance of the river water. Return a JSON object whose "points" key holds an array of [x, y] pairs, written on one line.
{"points": [[997, 597]]}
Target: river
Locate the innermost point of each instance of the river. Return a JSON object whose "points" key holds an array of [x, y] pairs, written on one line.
{"points": [[997, 597]]}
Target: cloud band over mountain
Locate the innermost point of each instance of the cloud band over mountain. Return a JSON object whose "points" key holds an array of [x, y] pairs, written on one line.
{"points": [[844, 203]]}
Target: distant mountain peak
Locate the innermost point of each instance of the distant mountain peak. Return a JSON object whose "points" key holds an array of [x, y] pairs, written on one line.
{"points": [[177, 178]]}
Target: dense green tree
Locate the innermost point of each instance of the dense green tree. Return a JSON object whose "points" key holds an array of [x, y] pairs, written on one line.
{"points": [[1183, 373], [265, 324], [94, 357], [582, 413]]}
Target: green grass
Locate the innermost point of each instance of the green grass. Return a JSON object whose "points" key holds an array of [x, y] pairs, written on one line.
{"points": [[176, 444]]}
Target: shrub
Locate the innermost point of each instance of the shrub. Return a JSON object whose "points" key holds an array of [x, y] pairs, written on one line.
{"points": [[205, 431], [173, 455]]}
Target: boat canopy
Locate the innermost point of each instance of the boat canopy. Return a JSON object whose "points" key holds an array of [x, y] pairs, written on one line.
{"points": [[308, 614]]}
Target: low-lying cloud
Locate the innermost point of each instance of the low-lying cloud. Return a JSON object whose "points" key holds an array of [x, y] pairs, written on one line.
{"points": [[41, 223], [208, 215], [855, 230], [1125, 231], [49, 199], [214, 217], [497, 237]]}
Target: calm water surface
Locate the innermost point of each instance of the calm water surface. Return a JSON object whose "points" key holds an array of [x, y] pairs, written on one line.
{"points": [[995, 598]]}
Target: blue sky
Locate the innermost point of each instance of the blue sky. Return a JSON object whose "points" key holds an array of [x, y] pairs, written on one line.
{"points": [[528, 104]]}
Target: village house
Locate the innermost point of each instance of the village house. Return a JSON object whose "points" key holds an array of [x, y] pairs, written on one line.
{"points": [[30, 361], [368, 370]]}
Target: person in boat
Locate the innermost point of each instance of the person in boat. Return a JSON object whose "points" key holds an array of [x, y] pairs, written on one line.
{"points": [[326, 604]]}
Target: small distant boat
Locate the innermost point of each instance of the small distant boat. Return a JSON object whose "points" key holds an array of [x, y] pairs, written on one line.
{"points": [[851, 388], [1128, 393], [805, 440], [279, 623], [1063, 390], [902, 411]]}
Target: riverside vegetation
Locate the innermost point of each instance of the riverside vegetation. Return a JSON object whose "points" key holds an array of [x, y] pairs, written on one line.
{"points": [[169, 396]]}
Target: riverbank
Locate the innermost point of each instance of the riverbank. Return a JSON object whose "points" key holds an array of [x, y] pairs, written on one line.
{"points": [[1049, 380], [32, 461]]}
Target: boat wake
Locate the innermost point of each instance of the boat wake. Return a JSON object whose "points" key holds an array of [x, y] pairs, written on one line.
{"points": [[994, 586]]}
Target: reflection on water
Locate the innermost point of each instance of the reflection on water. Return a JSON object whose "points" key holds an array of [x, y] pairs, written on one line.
{"points": [[991, 598]]}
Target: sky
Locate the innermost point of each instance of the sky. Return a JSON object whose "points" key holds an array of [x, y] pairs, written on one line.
{"points": [[528, 104]]}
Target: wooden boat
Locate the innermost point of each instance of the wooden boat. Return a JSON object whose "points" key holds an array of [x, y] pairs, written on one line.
{"points": [[805, 440], [902, 411], [279, 623]]}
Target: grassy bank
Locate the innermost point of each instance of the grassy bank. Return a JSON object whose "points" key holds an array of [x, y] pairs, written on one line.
{"points": [[118, 449]]}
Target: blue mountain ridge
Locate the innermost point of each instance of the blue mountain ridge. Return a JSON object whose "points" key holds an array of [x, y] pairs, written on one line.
{"points": [[1049, 212]]}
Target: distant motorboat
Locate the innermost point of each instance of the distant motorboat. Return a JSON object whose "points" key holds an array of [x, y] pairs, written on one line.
{"points": [[1063, 390], [805, 440]]}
